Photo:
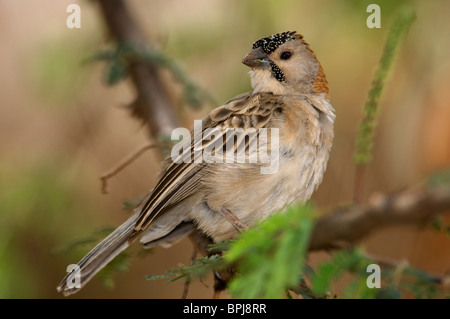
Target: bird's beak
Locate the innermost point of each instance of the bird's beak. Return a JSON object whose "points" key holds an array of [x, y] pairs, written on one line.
{"points": [[256, 58]]}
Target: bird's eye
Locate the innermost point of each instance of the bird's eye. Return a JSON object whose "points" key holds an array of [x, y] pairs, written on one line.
{"points": [[285, 55]]}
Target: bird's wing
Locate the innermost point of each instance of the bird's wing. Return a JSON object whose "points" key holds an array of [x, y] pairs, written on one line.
{"points": [[183, 175]]}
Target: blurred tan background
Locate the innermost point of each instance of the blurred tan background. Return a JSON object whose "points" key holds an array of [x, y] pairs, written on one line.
{"points": [[61, 127]]}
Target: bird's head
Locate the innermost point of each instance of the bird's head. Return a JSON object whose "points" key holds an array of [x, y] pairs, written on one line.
{"points": [[284, 64]]}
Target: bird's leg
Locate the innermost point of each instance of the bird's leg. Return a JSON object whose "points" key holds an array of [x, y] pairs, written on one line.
{"points": [[201, 242], [236, 222], [187, 283], [221, 279], [220, 285]]}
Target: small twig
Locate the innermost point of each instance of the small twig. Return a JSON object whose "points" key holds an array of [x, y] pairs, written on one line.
{"points": [[127, 161]]}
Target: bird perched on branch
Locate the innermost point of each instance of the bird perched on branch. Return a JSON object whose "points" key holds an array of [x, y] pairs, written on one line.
{"points": [[290, 99]]}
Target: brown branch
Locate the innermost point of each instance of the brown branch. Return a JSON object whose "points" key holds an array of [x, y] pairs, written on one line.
{"points": [[154, 104], [347, 226]]}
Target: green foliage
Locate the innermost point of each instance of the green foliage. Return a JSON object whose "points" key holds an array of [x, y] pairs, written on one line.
{"points": [[35, 203], [124, 54], [441, 226], [439, 179], [118, 264], [222, 246], [419, 283], [199, 269], [82, 244], [117, 61], [270, 256], [366, 134], [193, 94], [330, 271], [269, 260], [398, 280], [54, 72]]}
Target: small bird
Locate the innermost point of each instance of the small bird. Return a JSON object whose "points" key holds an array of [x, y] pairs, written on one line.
{"points": [[291, 98]]}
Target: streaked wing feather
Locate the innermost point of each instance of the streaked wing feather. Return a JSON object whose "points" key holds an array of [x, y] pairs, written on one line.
{"points": [[180, 180]]}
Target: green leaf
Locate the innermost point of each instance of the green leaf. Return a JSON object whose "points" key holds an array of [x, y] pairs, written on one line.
{"points": [[117, 71], [270, 256], [199, 269], [388, 292], [222, 246], [194, 95], [441, 226], [328, 272], [366, 134], [117, 61], [118, 264], [439, 179]]}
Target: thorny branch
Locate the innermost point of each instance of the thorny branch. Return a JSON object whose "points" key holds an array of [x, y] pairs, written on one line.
{"points": [[153, 105]]}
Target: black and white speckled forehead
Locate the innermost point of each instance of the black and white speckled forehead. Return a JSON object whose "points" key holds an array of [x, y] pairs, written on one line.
{"points": [[270, 44]]}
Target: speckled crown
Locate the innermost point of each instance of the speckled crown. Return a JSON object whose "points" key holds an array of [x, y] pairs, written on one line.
{"points": [[270, 44]]}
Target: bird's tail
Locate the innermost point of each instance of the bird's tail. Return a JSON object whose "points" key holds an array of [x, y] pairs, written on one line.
{"points": [[98, 257]]}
